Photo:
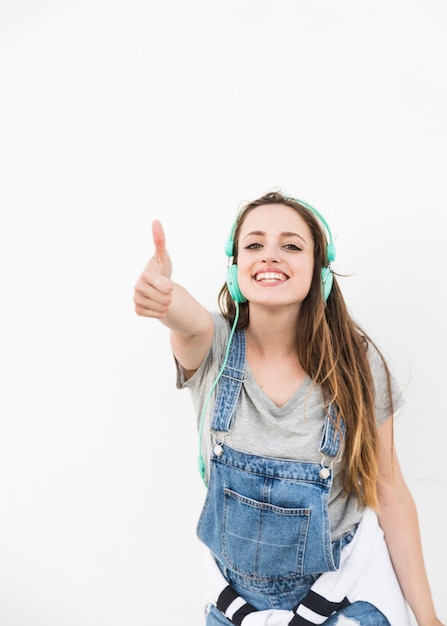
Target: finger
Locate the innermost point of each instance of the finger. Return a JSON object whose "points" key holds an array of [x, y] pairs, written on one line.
{"points": [[153, 313], [151, 277], [155, 288], [150, 303], [158, 235]]}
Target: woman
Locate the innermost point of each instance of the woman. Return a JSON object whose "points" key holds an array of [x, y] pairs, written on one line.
{"points": [[295, 406]]}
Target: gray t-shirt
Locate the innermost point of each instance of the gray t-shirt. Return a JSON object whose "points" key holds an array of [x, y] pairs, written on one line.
{"points": [[292, 431]]}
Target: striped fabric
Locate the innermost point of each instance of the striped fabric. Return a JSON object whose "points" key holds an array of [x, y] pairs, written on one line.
{"points": [[314, 609]]}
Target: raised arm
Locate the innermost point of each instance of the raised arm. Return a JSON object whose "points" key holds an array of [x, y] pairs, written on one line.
{"points": [[158, 297], [399, 520]]}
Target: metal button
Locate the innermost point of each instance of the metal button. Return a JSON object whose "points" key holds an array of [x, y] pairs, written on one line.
{"points": [[324, 472], [218, 449]]}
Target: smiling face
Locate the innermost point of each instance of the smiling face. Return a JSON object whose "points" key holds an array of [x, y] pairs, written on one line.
{"points": [[275, 256]]}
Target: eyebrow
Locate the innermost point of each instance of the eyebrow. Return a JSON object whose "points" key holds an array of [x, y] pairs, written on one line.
{"points": [[261, 233]]}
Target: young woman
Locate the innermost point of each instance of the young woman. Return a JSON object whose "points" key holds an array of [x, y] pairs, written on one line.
{"points": [[307, 518]]}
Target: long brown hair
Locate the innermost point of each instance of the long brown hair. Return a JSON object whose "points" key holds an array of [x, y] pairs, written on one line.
{"points": [[332, 349]]}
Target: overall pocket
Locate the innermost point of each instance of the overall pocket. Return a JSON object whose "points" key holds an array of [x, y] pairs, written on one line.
{"points": [[262, 541]]}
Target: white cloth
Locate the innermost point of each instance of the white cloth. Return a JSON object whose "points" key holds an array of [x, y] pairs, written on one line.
{"points": [[365, 574]]}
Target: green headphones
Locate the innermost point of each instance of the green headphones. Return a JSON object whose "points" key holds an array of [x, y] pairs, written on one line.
{"points": [[327, 277]]}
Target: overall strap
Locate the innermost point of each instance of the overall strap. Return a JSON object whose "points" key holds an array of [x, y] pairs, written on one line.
{"points": [[230, 385], [331, 441]]}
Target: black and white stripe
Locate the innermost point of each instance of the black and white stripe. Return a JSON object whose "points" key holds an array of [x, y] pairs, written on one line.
{"points": [[233, 606], [313, 610]]}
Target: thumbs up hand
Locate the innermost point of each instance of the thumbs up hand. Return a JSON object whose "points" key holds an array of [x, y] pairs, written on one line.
{"points": [[158, 297], [153, 290]]}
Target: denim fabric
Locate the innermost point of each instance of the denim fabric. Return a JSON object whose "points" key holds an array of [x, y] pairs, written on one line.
{"points": [[358, 614], [215, 618], [267, 523], [230, 384], [266, 520]]}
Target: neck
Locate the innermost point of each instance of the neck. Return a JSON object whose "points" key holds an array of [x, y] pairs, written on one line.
{"points": [[272, 331]]}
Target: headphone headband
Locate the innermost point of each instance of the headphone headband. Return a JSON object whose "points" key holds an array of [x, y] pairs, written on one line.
{"points": [[330, 248]]}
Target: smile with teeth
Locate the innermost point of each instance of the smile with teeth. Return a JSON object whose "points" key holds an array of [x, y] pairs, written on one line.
{"points": [[270, 277]]}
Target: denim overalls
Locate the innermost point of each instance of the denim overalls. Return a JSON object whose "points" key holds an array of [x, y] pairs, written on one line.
{"points": [[265, 519]]}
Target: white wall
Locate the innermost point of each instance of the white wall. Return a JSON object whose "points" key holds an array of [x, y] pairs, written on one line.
{"points": [[113, 113]]}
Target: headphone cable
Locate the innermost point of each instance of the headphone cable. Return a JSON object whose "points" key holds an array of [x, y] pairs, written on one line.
{"points": [[201, 462]]}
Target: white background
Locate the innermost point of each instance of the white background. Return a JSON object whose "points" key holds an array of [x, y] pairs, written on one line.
{"points": [[116, 112]]}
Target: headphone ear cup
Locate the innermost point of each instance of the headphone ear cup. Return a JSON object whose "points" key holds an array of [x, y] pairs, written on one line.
{"points": [[233, 285], [229, 246], [327, 278], [330, 252]]}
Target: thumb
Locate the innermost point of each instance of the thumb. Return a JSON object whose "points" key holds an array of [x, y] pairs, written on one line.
{"points": [[161, 252]]}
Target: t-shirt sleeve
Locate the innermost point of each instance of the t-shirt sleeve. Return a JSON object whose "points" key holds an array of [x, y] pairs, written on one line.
{"points": [[201, 382], [385, 405], [210, 363]]}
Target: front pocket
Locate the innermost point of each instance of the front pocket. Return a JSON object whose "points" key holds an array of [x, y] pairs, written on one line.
{"points": [[263, 541]]}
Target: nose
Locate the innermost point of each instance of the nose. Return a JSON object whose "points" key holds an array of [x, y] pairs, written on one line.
{"points": [[269, 255]]}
